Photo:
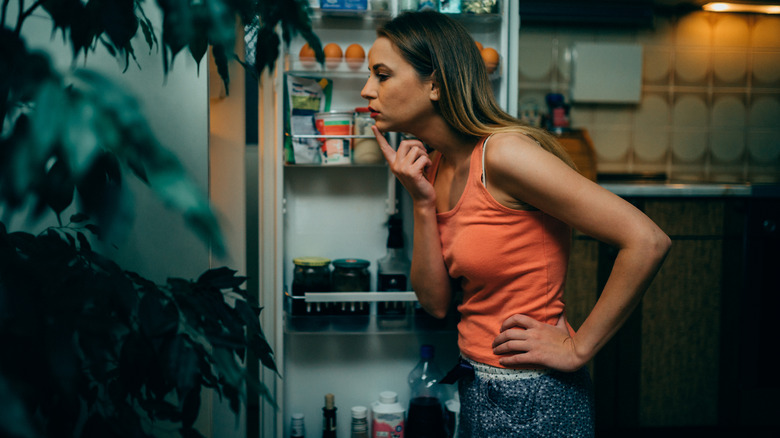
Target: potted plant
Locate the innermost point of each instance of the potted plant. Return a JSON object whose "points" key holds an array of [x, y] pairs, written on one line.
{"points": [[91, 349]]}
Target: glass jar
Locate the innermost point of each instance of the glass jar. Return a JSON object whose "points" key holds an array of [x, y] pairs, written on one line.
{"points": [[351, 275], [364, 150], [311, 274]]}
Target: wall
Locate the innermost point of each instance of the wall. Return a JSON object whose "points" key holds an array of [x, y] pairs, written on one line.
{"points": [[710, 95], [159, 244]]}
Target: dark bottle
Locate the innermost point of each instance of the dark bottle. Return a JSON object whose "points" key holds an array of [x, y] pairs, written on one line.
{"points": [[426, 412], [329, 417], [393, 270]]}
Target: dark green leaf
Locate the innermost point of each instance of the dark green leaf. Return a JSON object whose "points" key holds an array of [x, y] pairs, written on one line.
{"points": [[182, 365], [118, 19], [157, 316], [263, 350], [221, 278], [190, 409], [58, 187], [221, 60], [79, 217]]}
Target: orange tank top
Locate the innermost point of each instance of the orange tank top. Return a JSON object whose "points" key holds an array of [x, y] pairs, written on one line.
{"points": [[507, 262]]}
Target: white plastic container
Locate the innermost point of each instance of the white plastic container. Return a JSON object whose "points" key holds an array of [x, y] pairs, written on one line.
{"points": [[387, 416]]}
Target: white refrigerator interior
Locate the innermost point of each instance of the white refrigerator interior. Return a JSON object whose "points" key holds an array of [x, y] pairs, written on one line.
{"points": [[342, 211]]}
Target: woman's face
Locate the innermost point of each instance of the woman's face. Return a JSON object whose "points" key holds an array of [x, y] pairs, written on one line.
{"points": [[399, 100]]}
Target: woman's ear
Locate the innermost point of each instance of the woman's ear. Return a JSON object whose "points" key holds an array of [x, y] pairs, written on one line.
{"points": [[434, 91]]}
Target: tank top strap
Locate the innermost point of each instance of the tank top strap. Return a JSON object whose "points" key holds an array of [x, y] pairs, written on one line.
{"points": [[483, 175]]}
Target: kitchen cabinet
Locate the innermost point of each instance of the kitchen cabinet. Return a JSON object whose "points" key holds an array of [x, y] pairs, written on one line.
{"points": [[670, 365], [341, 211]]}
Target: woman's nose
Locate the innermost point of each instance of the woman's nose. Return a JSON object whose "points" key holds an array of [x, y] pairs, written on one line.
{"points": [[367, 92]]}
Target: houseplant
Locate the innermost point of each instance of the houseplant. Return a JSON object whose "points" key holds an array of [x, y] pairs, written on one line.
{"points": [[91, 349]]}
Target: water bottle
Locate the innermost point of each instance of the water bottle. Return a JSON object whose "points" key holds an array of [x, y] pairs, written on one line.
{"points": [[426, 412]]}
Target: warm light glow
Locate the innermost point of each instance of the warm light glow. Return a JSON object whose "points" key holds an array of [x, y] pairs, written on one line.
{"points": [[742, 7]]}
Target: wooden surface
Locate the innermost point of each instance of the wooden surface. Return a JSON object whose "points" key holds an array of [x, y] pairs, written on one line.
{"points": [[578, 144], [680, 329]]}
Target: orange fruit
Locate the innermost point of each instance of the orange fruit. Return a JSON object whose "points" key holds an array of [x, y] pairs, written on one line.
{"points": [[491, 58], [332, 51], [479, 45], [355, 52]]}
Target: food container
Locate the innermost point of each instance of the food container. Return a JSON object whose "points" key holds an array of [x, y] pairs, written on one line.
{"points": [[365, 150], [311, 274], [334, 123], [360, 5], [351, 275]]}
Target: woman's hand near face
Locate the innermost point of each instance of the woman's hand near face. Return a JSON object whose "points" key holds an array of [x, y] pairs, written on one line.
{"points": [[429, 277], [408, 164]]}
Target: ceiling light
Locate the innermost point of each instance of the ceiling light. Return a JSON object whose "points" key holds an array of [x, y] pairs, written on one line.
{"points": [[756, 8]]}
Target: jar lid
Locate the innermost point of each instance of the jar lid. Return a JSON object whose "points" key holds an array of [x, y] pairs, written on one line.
{"points": [[351, 263], [311, 261], [362, 109]]}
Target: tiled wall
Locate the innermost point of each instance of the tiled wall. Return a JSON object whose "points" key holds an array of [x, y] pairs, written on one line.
{"points": [[710, 107]]}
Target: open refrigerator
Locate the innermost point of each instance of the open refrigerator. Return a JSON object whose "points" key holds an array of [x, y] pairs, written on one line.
{"points": [[342, 211]]}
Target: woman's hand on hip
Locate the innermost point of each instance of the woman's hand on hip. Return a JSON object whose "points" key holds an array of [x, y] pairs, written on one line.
{"points": [[524, 341], [408, 164]]}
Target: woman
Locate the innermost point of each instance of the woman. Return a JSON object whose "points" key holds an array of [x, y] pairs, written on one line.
{"points": [[494, 204]]}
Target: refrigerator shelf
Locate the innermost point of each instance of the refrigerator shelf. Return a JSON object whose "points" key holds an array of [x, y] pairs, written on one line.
{"points": [[327, 136], [365, 324]]}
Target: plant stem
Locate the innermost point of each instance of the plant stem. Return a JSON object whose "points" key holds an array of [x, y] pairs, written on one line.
{"points": [[24, 14]]}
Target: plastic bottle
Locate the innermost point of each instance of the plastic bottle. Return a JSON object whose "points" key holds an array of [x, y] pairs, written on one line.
{"points": [[329, 417], [393, 270], [426, 412], [359, 422], [297, 428], [387, 417]]}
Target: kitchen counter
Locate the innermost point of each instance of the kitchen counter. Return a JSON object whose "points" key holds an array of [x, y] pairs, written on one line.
{"points": [[690, 189], [664, 189]]}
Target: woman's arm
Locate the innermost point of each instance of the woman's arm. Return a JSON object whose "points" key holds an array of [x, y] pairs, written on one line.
{"points": [[518, 169], [429, 276]]}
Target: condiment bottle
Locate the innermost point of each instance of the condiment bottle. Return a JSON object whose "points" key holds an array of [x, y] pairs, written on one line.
{"points": [[393, 271], [329, 417], [387, 416], [359, 422], [297, 428]]}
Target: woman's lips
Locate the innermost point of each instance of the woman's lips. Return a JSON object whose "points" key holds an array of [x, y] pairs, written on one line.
{"points": [[374, 113]]}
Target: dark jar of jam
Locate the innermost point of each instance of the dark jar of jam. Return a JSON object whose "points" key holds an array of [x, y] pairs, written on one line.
{"points": [[311, 274], [351, 275]]}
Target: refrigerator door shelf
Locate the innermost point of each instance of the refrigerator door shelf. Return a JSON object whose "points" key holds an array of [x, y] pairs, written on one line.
{"points": [[349, 297]]}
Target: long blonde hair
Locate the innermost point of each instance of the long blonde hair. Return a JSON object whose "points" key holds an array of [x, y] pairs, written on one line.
{"points": [[442, 49]]}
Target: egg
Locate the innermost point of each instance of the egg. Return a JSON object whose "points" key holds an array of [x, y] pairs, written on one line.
{"points": [[333, 55], [479, 45], [307, 56], [332, 51], [355, 51], [354, 55], [491, 58]]}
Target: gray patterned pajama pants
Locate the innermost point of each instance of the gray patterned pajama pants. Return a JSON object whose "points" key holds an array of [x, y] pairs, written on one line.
{"points": [[500, 403]]}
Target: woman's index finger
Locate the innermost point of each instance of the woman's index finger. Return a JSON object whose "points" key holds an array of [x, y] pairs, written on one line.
{"points": [[384, 146]]}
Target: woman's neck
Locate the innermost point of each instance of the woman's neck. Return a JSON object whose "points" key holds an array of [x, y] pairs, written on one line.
{"points": [[454, 146]]}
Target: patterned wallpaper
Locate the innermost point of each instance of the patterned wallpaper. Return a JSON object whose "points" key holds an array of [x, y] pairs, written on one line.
{"points": [[710, 106]]}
